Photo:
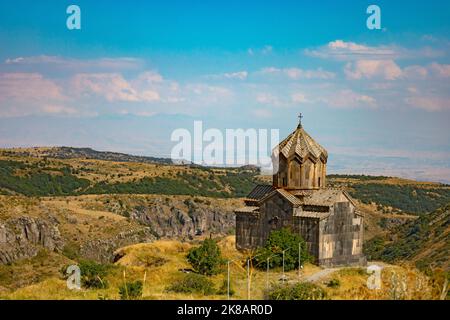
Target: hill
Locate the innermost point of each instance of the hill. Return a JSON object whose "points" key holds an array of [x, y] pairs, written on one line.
{"points": [[65, 171], [162, 263], [81, 153], [63, 205], [424, 241], [32, 172]]}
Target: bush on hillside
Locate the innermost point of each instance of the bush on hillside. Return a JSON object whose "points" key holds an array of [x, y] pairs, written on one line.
{"points": [[206, 259], [131, 290], [93, 274], [298, 291], [193, 283]]}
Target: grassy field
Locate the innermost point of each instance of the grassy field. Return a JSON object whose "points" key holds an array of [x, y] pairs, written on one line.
{"points": [[160, 262]]}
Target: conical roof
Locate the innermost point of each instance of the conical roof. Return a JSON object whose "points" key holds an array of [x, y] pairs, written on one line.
{"points": [[301, 143]]}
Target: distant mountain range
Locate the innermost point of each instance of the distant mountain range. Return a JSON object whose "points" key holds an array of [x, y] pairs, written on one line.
{"points": [[86, 153]]}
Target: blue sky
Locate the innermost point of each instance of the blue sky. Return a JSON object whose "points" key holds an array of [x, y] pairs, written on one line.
{"points": [[378, 100]]}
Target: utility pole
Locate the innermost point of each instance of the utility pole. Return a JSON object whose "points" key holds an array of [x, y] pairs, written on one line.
{"points": [[283, 262], [299, 258], [267, 275], [248, 278], [228, 280]]}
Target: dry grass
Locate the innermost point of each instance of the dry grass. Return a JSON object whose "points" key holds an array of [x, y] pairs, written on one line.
{"points": [[161, 263]]}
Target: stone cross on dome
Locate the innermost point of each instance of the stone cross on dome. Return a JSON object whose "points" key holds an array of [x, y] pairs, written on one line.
{"points": [[300, 116]]}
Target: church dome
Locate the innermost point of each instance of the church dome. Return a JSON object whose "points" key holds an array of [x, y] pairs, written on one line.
{"points": [[302, 144], [300, 163]]}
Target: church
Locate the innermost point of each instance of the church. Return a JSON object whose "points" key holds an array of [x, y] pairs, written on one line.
{"points": [[298, 199]]}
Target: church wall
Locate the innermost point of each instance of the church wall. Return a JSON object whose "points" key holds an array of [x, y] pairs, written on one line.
{"points": [[276, 213], [282, 174], [308, 229], [248, 231], [294, 174], [341, 236], [307, 174]]}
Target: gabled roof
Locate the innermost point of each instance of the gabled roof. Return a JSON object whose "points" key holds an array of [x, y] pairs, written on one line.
{"points": [[311, 214], [260, 191], [285, 194], [247, 209], [300, 143], [326, 197]]}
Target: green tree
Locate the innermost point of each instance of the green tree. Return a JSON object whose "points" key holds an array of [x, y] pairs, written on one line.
{"points": [[207, 258], [279, 241]]}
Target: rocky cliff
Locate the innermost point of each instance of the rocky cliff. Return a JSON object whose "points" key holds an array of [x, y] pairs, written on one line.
{"points": [[24, 236]]}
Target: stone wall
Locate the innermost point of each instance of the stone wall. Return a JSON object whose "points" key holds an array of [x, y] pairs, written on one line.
{"points": [[308, 229], [341, 237], [276, 213], [248, 231], [294, 173]]}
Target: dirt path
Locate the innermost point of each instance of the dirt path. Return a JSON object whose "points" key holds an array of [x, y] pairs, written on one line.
{"points": [[327, 271], [321, 274]]}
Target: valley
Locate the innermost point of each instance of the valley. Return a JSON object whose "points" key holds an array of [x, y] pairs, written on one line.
{"points": [[59, 206]]}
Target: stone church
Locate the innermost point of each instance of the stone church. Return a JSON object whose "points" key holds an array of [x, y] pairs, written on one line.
{"points": [[327, 219]]}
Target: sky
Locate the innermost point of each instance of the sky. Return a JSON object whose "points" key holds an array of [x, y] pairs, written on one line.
{"points": [[377, 100]]}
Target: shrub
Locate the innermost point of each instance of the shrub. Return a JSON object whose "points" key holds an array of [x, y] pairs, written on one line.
{"points": [[298, 291], [206, 259], [223, 290], [131, 290], [277, 242], [334, 283], [93, 274], [193, 283]]}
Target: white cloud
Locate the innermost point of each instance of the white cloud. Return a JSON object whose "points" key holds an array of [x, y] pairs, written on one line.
{"points": [[415, 72], [385, 69], [113, 87], [346, 51], [241, 75], [28, 86], [441, 70], [58, 109], [202, 94], [30, 93], [349, 99], [428, 102], [77, 65], [297, 73], [267, 49], [342, 50], [298, 98], [268, 98], [150, 77]]}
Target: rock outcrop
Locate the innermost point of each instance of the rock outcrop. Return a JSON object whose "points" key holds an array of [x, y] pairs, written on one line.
{"points": [[23, 237], [102, 250], [176, 222]]}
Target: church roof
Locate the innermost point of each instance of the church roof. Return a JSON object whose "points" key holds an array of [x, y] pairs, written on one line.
{"points": [[285, 194], [247, 209], [327, 197], [260, 191], [301, 143], [311, 214]]}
